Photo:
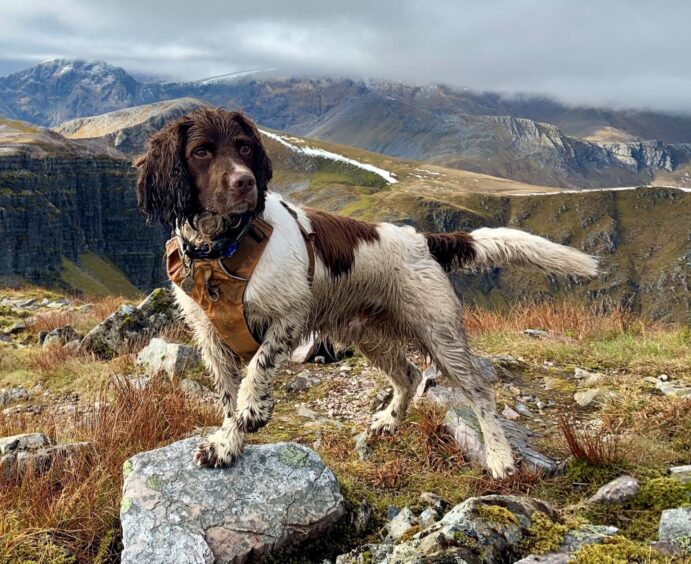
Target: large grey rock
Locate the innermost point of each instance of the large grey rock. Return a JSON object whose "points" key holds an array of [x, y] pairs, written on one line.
{"points": [[274, 498], [61, 336], [130, 324], [172, 359], [618, 490], [674, 389], [401, 524], [27, 441], [464, 426], [675, 525]]}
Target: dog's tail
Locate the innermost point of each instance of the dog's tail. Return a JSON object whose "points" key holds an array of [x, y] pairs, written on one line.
{"points": [[489, 248]]}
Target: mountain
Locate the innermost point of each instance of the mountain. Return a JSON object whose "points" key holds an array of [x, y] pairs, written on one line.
{"points": [[645, 264], [531, 139]]}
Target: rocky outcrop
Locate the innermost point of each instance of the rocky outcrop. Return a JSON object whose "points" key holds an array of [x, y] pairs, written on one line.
{"points": [[171, 359], [274, 498]]}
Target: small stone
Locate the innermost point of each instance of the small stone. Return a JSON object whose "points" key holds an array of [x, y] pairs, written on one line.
{"points": [[581, 374], [172, 359], [303, 381], [509, 413], [362, 518], [663, 377], [12, 395], [681, 473], [428, 517], [675, 524], [620, 490], [523, 410], [345, 368], [319, 360], [15, 329], [401, 524], [540, 404], [433, 500], [593, 396], [591, 381], [61, 336], [536, 333], [27, 441], [673, 390], [586, 534]]}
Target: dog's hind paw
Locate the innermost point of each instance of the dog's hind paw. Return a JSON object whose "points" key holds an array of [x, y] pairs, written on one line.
{"points": [[383, 423]]}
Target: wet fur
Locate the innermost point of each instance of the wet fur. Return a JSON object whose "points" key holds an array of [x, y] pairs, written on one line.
{"points": [[378, 288]]}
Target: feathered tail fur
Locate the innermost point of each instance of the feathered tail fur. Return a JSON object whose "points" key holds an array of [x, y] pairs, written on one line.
{"points": [[499, 247]]}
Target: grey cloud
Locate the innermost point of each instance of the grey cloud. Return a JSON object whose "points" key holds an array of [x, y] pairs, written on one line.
{"points": [[615, 52]]}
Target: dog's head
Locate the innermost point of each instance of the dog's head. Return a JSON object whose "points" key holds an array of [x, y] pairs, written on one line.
{"points": [[207, 161]]}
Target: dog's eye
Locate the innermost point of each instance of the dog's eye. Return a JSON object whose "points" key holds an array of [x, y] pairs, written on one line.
{"points": [[245, 150], [201, 152]]}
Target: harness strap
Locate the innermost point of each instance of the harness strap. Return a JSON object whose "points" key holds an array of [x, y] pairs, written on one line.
{"points": [[309, 242]]}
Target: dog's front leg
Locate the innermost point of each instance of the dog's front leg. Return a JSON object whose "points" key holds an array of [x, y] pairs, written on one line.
{"points": [[255, 401]]}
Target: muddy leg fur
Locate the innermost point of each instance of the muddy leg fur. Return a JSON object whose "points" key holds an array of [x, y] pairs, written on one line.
{"points": [[404, 377]]}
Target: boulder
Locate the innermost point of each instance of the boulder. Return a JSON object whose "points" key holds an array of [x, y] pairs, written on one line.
{"points": [[130, 324], [464, 426], [303, 381], [274, 498], [403, 522], [61, 336], [619, 490], [673, 389], [171, 359]]}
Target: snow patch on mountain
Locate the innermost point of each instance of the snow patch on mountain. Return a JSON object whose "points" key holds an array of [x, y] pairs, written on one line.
{"points": [[315, 152]]}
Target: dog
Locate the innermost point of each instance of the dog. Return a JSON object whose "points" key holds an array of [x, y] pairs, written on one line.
{"points": [[376, 287]]}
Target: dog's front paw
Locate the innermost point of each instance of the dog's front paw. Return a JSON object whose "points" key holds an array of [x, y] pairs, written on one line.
{"points": [[253, 416], [218, 452], [383, 423]]}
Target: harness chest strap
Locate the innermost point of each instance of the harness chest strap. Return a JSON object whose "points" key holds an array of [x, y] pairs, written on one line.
{"points": [[218, 285]]}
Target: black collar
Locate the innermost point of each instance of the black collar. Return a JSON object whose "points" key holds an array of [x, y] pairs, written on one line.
{"points": [[222, 247]]}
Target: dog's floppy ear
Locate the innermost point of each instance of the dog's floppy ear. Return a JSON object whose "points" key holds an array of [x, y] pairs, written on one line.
{"points": [[163, 186]]}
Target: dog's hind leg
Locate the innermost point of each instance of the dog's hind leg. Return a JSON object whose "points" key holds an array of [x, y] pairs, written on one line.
{"points": [[404, 377], [448, 347]]}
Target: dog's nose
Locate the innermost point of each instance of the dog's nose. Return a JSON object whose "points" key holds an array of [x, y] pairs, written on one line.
{"points": [[242, 181]]}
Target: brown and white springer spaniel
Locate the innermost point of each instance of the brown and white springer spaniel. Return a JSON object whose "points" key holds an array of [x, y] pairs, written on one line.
{"points": [[376, 287]]}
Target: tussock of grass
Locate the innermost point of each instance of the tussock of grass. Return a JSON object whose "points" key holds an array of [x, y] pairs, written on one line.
{"points": [[74, 506]]}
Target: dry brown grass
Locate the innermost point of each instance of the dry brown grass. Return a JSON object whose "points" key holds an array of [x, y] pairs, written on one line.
{"points": [[46, 322], [595, 447], [440, 452], [577, 322], [75, 506], [47, 359]]}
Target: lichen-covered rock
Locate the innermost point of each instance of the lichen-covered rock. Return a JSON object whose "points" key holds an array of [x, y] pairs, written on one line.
{"points": [[61, 336], [675, 526], [593, 396], [618, 490], [131, 324], [27, 441], [480, 530], [15, 464], [274, 498], [172, 359], [681, 473], [401, 524], [11, 395]]}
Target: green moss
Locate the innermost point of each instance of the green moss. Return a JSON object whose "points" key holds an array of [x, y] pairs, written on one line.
{"points": [[465, 540], [127, 468], [497, 515], [367, 557], [663, 493], [544, 534], [581, 471], [105, 547], [615, 550], [125, 504]]}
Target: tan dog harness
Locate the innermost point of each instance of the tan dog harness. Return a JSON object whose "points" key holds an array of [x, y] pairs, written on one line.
{"points": [[218, 285]]}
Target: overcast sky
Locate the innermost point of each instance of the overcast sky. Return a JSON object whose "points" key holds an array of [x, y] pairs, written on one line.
{"points": [[612, 52]]}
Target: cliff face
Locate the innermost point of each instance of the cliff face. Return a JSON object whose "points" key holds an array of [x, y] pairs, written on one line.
{"points": [[68, 202]]}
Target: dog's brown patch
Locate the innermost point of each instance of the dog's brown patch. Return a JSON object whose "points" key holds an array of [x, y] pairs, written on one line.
{"points": [[451, 250], [336, 238]]}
